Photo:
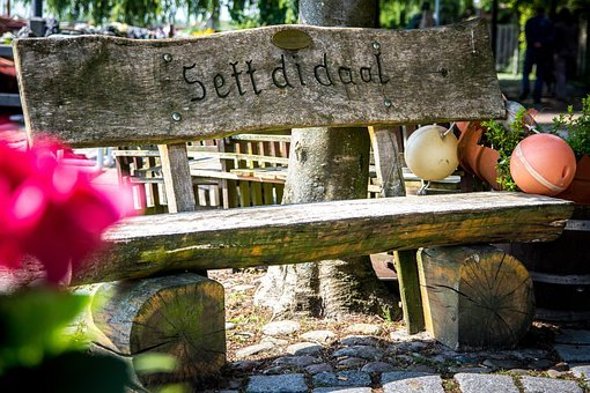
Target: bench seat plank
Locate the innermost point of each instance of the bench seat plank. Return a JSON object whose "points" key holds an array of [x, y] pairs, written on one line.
{"points": [[273, 235], [108, 91]]}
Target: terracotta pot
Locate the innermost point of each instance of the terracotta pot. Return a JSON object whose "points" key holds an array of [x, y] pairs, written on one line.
{"points": [[475, 158], [579, 190]]}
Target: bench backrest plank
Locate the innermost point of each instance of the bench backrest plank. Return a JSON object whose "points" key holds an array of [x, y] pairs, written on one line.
{"points": [[100, 91]]}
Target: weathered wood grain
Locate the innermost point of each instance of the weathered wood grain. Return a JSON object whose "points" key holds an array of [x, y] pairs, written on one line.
{"points": [[409, 290], [181, 315], [177, 178], [276, 235], [475, 296], [97, 90], [388, 167]]}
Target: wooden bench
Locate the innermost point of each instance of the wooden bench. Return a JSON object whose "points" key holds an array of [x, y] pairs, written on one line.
{"points": [[104, 91]]}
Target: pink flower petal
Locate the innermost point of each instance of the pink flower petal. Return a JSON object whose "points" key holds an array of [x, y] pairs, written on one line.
{"points": [[27, 207]]}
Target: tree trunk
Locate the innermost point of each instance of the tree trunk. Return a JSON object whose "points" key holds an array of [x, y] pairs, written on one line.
{"points": [[328, 164]]}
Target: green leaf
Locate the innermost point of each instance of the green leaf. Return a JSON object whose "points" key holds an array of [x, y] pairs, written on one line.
{"points": [[33, 325], [71, 372], [154, 363], [175, 388]]}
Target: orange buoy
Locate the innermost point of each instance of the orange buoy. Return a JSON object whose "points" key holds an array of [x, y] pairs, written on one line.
{"points": [[543, 164]]}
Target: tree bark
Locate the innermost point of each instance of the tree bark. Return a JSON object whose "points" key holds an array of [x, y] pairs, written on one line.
{"points": [[328, 164]]}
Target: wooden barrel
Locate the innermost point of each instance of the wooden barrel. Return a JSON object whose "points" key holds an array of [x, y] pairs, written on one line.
{"points": [[561, 270]]}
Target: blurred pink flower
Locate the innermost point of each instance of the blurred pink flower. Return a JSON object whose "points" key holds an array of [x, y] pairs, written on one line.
{"points": [[51, 210]]}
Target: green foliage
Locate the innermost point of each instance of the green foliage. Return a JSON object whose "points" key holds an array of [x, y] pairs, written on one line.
{"points": [[577, 127], [42, 348], [396, 14], [504, 142], [37, 351], [254, 13], [26, 343], [154, 363], [69, 372], [134, 12]]}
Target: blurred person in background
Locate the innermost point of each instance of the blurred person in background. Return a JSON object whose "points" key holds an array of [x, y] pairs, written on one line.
{"points": [[539, 43]]}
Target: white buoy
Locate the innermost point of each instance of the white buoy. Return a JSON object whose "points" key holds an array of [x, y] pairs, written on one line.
{"points": [[431, 153]]}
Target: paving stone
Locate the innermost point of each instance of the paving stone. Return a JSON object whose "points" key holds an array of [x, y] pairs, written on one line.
{"points": [[411, 382], [286, 383], [478, 383], [254, 349], [402, 335], [319, 336], [571, 336], [473, 370], [235, 383], [548, 385], [415, 346], [341, 389], [554, 373], [276, 341], [377, 367], [277, 328], [423, 368], [349, 363], [280, 369], [342, 378], [244, 365], [525, 353], [305, 348], [561, 366], [466, 359], [404, 359], [405, 347], [300, 361], [540, 364], [359, 340], [365, 328], [504, 364], [582, 371], [319, 368], [573, 353], [360, 351]]}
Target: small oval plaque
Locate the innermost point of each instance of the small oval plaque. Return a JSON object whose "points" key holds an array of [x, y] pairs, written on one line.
{"points": [[291, 39]]}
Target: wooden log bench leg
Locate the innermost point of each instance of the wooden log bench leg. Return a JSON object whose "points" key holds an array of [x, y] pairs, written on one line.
{"points": [[475, 296], [409, 290], [181, 315]]}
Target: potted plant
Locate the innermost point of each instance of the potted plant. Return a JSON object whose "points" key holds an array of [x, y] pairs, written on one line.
{"points": [[576, 131], [485, 148]]}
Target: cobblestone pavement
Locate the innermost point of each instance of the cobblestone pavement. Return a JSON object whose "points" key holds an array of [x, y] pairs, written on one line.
{"points": [[354, 356], [367, 364]]}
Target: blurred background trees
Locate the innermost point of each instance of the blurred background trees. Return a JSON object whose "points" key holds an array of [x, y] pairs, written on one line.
{"points": [[225, 14]]}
